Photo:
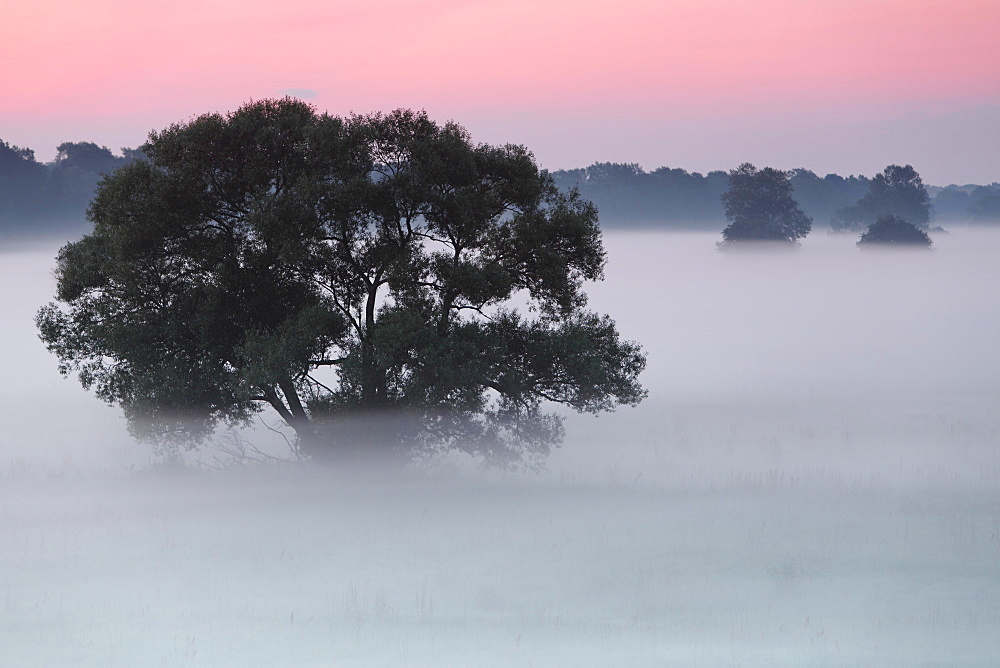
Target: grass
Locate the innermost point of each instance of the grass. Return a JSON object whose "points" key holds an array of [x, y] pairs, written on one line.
{"points": [[296, 568]]}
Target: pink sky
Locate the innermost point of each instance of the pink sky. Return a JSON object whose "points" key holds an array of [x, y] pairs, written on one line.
{"points": [[700, 84]]}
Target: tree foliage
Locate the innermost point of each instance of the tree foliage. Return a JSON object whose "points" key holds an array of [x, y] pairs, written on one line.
{"points": [[759, 207], [821, 198], [895, 231], [672, 198], [629, 196], [972, 203], [21, 180], [354, 274], [986, 207], [38, 199], [897, 191], [51, 198]]}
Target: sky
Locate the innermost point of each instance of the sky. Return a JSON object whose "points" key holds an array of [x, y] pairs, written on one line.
{"points": [[846, 86]]}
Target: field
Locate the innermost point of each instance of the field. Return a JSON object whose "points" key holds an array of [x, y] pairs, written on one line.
{"points": [[814, 480]]}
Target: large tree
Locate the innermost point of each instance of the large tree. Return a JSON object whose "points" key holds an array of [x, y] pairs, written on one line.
{"points": [[759, 207], [354, 274]]}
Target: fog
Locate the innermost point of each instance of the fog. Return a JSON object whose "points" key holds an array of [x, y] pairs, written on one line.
{"points": [[813, 480]]}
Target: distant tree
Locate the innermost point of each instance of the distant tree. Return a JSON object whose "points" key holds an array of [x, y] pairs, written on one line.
{"points": [[628, 196], [74, 175], [86, 156], [51, 199], [820, 198], [353, 274], [849, 218], [760, 207], [897, 191], [952, 203], [14, 155], [986, 205], [614, 172], [132, 154], [894, 231], [22, 182]]}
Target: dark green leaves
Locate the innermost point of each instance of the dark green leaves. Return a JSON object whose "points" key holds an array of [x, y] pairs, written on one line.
{"points": [[897, 191], [894, 231], [257, 249], [760, 207]]}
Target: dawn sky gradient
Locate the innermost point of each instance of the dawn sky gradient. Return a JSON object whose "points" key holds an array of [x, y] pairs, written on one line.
{"points": [[845, 86]]}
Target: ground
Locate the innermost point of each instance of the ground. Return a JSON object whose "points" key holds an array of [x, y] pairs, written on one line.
{"points": [[814, 480]]}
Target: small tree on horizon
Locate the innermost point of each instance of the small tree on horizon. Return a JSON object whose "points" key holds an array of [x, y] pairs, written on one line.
{"points": [[759, 207], [897, 191], [894, 231]]}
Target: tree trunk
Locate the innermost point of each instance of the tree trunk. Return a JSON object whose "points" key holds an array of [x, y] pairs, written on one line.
{"points": [[373, 381], [295, 416]]}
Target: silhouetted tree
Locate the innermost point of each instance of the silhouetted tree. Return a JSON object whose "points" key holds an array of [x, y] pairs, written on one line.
{"points": [[78, 167], [760, 207], [952, 203], [251, 250], [897, 191], [628, 196], [22, 182], [894, 231], [986, 205], [54, 196], [13, 158], [820, 198]]}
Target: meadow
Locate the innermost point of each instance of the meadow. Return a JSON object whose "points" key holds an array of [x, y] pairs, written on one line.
{"points": [[813, 480]]}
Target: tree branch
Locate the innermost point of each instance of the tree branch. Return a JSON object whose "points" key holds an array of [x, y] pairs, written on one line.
{"points": [[339, 360], [313, 380]]}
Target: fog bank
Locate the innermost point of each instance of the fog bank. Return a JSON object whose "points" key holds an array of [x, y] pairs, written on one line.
{"points": [[823, 352], [813, 480]]}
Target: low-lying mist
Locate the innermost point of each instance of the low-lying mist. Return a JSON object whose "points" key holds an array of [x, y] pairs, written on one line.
{"points": [[813, 480], [821, 357]]}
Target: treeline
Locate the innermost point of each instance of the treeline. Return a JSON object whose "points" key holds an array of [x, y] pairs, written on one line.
{"points": [[969, 202], [628, 196], [51, 198]]}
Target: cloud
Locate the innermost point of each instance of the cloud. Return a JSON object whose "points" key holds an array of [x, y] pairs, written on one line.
{"points": [[303, 93]]}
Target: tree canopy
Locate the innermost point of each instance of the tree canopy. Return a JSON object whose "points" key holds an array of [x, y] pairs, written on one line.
{"points": [[21, 179], [987, 207], [759, 207], [894, 231], [820, 198], [354, 274], [897, 191]]}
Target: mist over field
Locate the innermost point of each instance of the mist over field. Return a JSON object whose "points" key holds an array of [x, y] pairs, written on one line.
{"points": [[813, 480]]}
